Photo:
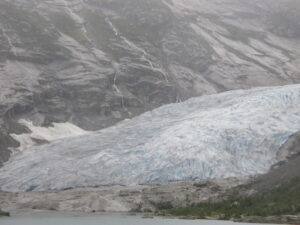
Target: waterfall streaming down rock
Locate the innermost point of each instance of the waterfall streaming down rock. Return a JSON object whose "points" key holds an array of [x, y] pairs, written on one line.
{"points": [[95, 63]]}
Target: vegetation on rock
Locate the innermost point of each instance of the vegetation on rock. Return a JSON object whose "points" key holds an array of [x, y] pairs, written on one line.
{"points": [[284, 200], [2, 213]]}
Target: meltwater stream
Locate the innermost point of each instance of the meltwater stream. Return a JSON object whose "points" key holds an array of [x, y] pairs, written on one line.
{"points": [[230, 134]]}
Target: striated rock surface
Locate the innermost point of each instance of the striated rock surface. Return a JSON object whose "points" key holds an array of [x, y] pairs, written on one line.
{"points": [[93, 63]]}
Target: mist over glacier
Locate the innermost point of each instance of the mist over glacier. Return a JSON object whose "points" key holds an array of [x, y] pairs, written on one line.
{"points": [[234, 133]]}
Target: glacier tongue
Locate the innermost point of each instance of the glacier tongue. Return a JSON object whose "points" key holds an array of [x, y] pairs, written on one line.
{"points": [[234, 133]]}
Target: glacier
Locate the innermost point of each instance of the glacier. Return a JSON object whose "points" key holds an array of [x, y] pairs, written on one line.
{"points": [[235, 133]]}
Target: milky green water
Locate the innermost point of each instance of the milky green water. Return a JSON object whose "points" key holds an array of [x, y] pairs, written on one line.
{"points": [[60, 219]]}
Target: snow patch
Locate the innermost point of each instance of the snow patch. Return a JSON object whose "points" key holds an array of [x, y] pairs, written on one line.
{"points": [[47, 134]]}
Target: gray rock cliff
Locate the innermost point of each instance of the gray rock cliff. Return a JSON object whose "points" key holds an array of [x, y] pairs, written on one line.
{"points": [[94, 63]]}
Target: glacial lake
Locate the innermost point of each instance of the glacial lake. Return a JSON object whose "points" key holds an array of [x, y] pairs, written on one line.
{"points": [[69, 219]]}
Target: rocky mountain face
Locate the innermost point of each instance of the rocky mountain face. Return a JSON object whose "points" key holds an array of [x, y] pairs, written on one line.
{"points": [[95, 62]]}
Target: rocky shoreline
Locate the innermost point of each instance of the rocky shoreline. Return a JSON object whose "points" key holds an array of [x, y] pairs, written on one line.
{"points": [[143, 198], [283, 219], [146, 200]]}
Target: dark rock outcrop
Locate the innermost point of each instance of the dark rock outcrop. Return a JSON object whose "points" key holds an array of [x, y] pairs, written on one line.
{"points": [[284, 171]]}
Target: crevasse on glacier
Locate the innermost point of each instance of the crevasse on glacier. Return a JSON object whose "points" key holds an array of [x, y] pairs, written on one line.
{"points": [[234, 133]]}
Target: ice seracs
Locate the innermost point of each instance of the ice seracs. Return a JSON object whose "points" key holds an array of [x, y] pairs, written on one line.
{"points": [[230, 134]]}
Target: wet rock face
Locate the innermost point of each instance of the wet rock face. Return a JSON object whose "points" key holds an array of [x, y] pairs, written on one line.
{"points": [[94, 63]]}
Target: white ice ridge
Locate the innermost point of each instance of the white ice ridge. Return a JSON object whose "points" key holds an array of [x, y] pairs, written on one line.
{"points": [[234, 133], [48, 134]]}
